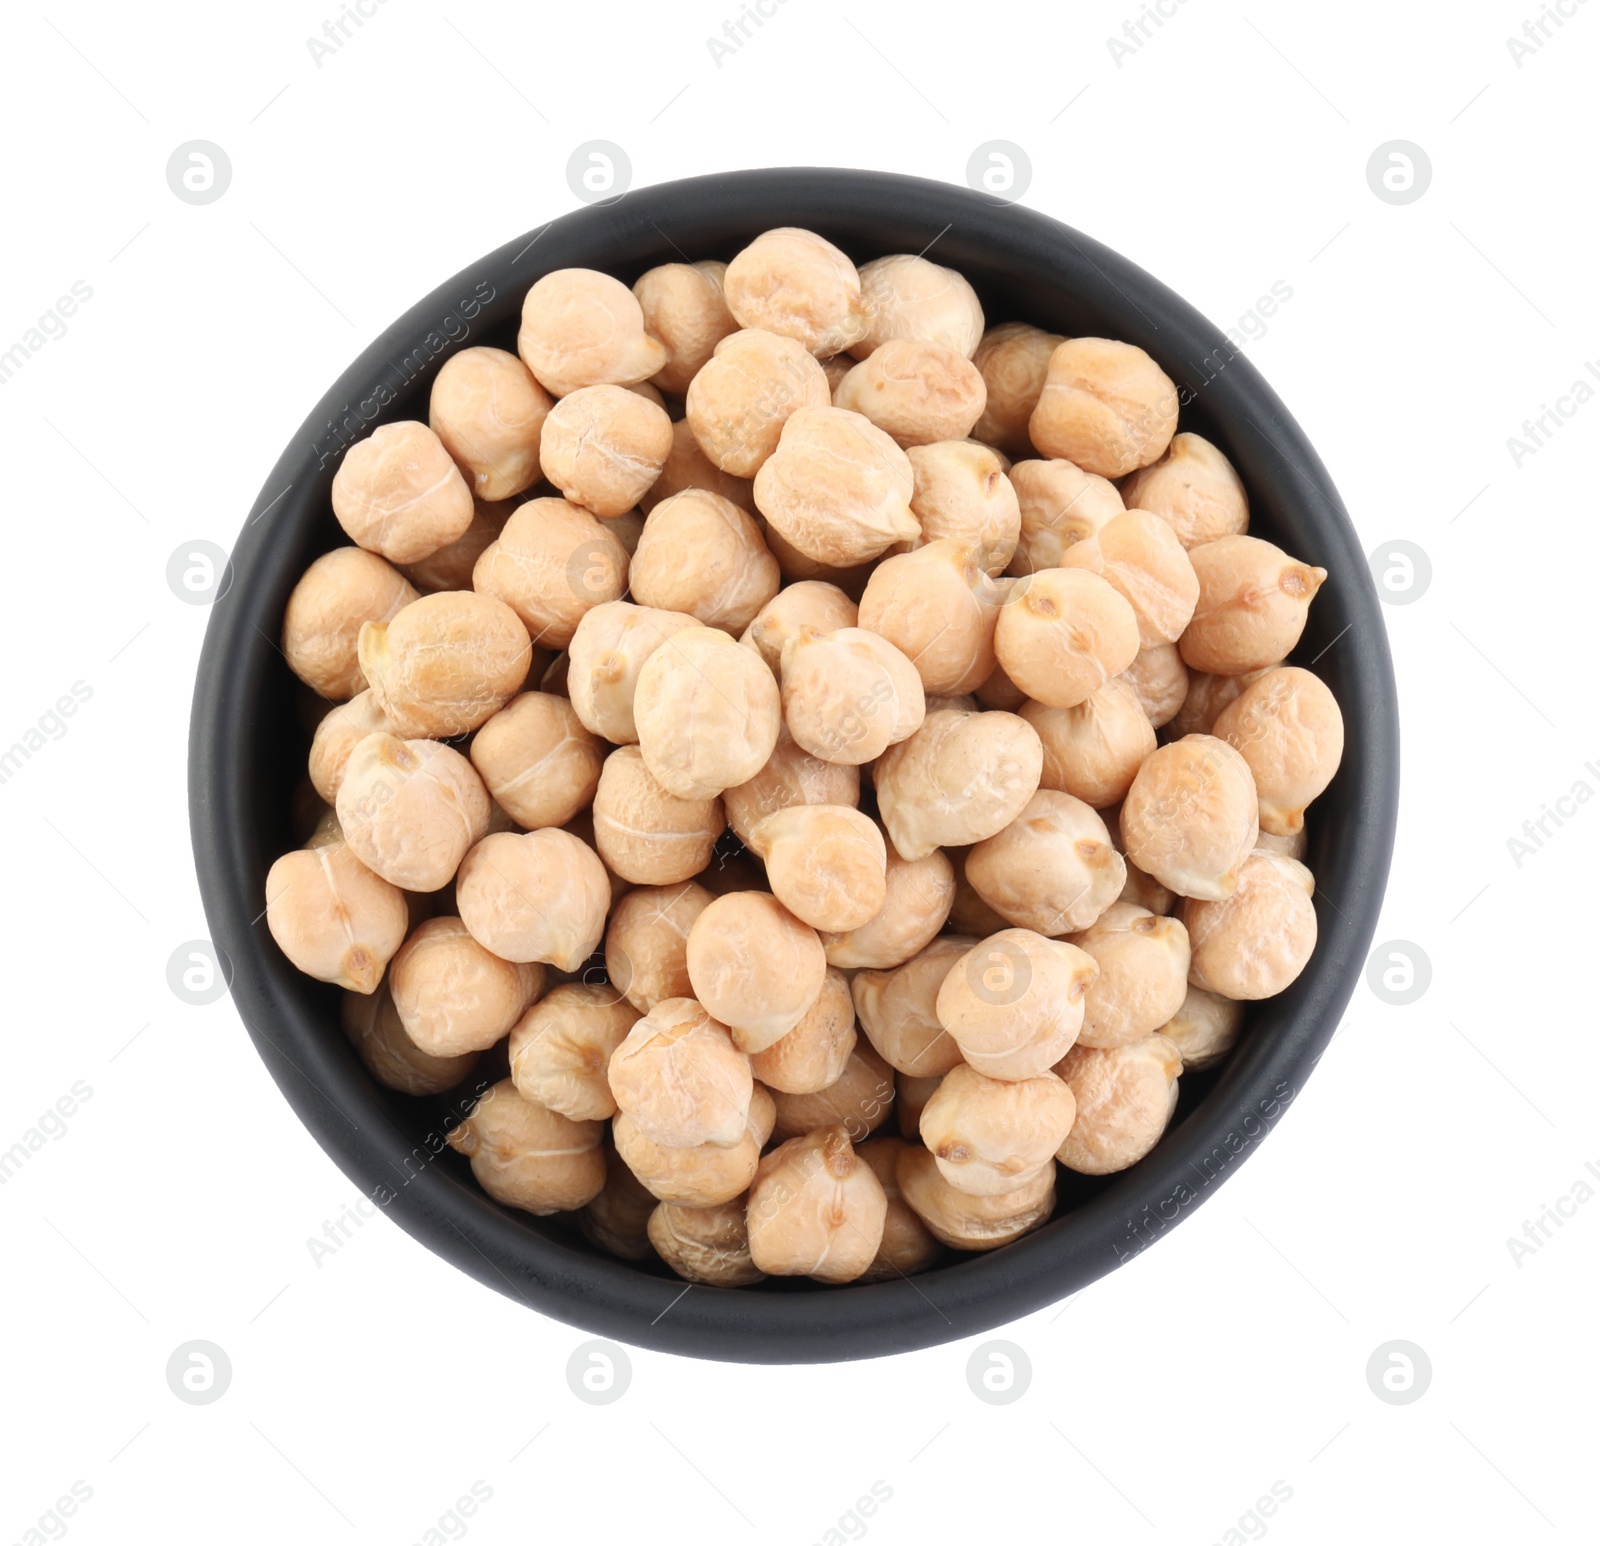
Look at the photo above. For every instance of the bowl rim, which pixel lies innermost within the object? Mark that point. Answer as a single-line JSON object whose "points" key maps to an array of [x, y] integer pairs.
{"points": [[344, 1108]]}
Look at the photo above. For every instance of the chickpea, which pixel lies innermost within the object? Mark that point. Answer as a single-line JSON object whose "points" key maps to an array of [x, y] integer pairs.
{"points": [[1257, 941], [1052, 870], [398, 494], [1204, 1028], [609, 648], [1190, 817], [960, 490], [1206, 698], [647, 942], [705, 1245], [910, 298], [1252, 606], [1058, 504], [794, 565], [1013, 1003], [707, 713], [1145, 563], [534, 896], [918, 900], [702, 555], [445, 663], [797, 284], [325, 611], [683, 306], [743, 396], [859, 1100], [373, 1027], [989, 1136], [687, 466], [583, 328], [341, 729], [1144, 969], [617, 1218], [1293, 847], [848, 695], [603, 446], [646, 834], [911, 1095], [1194, 488], [755, 966], [582, 827], [816, 1052], [1288, 728], [938, 606], [705, 1175], [810, 603], [487, 411], [895, 1009], [680, 1079], [528, 1157], [561, 1049], [410, 810], [917, 392], [451, 995], [1063, 634], [906, 1247], [826, 863], [791, 776], [537, 759], [968, 1223], [959, 779], [451, 567], [999, 692], [1014, 360], [1126, 1096], [1160, 681], [816, 1209], [1094, 749], [1105, 405]]}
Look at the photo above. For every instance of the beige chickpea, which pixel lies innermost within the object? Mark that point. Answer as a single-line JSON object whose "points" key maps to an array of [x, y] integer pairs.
{"points": [[561, 1049], [1257, 941], [1288, 728], [583, 328], [1058, 504], [1013, 1003], [603, 446], [534, 896], [1292, 847], [915, 392], [906, 1247], [909, 297], [825, 863], [816, 1209], [647, 942], [1142, 890], [1190, 818], [398, 494], [1160, 681], [1205, 1028], [687, 466], [646, 834], [755, 966], [1105, 405], [1052, 870], [702, 555], [1138, 554], [617, 1217], [706, 1174], [373, 1028], [537, 759], [705, 1245], [707, 713], [911, 1094], [965, 1222], [1252, 607], [1144, 970], [451, 567], [683, 307], [445, 663], [322, 620], [337, 735], [1093, 749], [742, 398], [960, 490], [938, 606], [896, 1010], [1206, 698], [487, 411], [810, 603], [797, 284], [790, 776], [794, 566], [1063, 634], [990, 1136], [1014, 360], [528, 1157], [680, 1079], [816, 1052], [1126, 1096], [1194, 488], [452, 995], [860, 1100], [848, 695], [609, 648], [919, 895]]}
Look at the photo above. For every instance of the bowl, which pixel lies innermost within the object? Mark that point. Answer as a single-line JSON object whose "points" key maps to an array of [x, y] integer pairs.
{"points": [[247, 753]]}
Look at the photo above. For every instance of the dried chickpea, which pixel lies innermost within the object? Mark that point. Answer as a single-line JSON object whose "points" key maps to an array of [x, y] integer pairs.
{"points": [[617, 1218], [825, 863], [1052, 870], [442, 665], [609, 648], [816, 1209], [322, 620], [647, 942], [790, 776], [815, 1053], [683, 307], [583, 328], [1014, 360], [797, 284], [1194, 489], [1190, 817], [990, 1136], [534, 896], [703, 555], [1206, 698], [451, 567], [687, 466], [938, 606], [1143, 560], [1094, 749], [452, 995], [810, 603], [705, 1175], [896, 1010], [646, 834], [1105, 405], [487, 411], [705, 1245], [1126, 1096], [755, 966], [373, 1027], [794, 565], [914, 391], [859, 1100], [919, 896], [1063, 634], [1256, 942], [1160, 681], [906, 1246], [528, 1157], [1058, 504], [909, 297], [1205, 1028], [1288, 728], [341, 729], [680, 1079], [968, 1223], [537, 759], [1293, 847], [1144, 970], [1252, 606], [848, 695], [960, 489], [397, 493], [910, 1096], [561, 1049], [603, 446], [741, 399]]}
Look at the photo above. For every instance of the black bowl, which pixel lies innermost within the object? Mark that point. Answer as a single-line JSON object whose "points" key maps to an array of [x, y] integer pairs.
{"points": [[247, 752]]}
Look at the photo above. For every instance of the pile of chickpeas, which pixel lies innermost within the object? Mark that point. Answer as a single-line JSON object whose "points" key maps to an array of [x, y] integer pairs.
{"points": [[839, 756]]}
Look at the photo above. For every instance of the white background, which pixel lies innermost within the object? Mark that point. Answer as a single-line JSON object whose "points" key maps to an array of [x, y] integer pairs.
{"points": [[368, 1393]]}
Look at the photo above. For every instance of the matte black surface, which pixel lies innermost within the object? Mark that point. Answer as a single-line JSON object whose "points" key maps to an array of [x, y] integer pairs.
{"points": [[247, 750]]}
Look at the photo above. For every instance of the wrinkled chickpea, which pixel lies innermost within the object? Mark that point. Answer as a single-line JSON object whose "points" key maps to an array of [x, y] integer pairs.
{"points": [[1160, 681], [909, 297], [799, 285], [742, 399], [687, 466], [680, 1079], [816, 1209], [825, 863], [755, 966], [1105, 405], [706, 1174], [603, 446], [705, 1245], [609, 648], [915, 392], [341, 729], [703, 555], [906, 1246], [534, 896], [794, 565], [646, 834], [1194, 488], [918, 897], [322, 620], [1288, 728], [561, 1048], [1190, 818], [1126, 1096], [1257, 941], [938, 606], [848, 695], [1206, 698], [816, 1052], [1144, 970], [617, 1218], [1063, 634], [528, 1157], [373, 1027], [1144, 562], [1052, 870], [683, 308], [808, 603], [537, 759], [859, 1100], [1093, 749], [398, 494], [332, 917], [488, 411], [647, 942], [895, 1010], [960, 490], [1014, 361], [1205, 1028], [1058, 504], [965, 1222], [790, 776], [990, 1136], [453, 996], [583, 328], [451, 567], [1252, 606]]}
